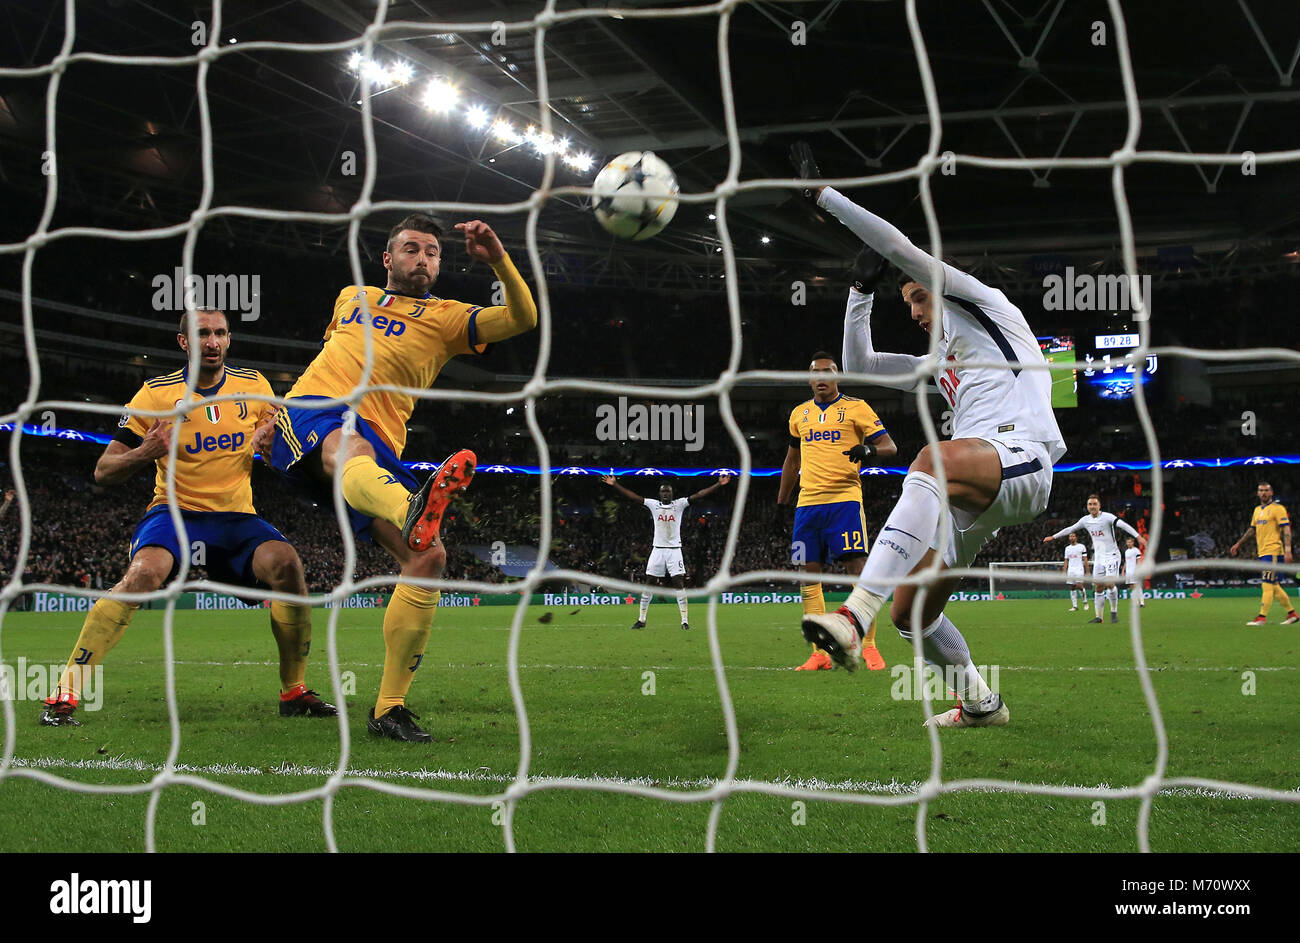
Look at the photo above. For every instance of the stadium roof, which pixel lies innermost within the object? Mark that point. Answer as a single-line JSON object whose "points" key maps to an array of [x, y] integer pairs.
{"points": [[1032, 78]]}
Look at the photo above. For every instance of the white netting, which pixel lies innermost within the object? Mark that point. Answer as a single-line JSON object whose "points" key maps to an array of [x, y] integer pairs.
{"points": [[539, 385], [1005, 575]]}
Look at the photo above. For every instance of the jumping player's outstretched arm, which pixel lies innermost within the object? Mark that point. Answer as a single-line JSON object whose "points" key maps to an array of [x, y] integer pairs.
{"points": [[703, 492], [519, 313], [889, 241], [625, 492], [896, 371]]}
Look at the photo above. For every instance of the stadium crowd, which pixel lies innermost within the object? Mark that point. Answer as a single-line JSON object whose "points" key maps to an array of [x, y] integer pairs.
{"points": [[80, 532]]}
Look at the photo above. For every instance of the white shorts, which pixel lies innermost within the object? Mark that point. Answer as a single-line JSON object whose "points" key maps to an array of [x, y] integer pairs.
{"points": [[1026, 486], [1106, 570], [1074, 576], [666, 561]]}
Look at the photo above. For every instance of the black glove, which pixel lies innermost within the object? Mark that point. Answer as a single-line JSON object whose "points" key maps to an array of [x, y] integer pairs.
{"points": [[868, 269], [805, 166], [861, 452]]}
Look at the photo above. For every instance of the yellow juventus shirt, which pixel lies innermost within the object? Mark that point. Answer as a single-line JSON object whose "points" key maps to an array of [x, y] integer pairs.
{"points": [[1268, 521], [215, 453], [413, 338], [823, 432]]}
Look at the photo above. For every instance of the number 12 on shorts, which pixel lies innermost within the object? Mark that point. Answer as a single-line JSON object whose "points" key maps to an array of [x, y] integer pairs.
{"points": [[856, 544]]}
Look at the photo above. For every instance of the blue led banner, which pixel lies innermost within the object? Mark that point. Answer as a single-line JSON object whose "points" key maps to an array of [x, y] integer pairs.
{"points": [[74, 435]]}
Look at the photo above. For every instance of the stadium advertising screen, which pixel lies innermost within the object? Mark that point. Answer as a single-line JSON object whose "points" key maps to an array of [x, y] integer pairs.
{"points": [[1112, 370], [1059, 348]]}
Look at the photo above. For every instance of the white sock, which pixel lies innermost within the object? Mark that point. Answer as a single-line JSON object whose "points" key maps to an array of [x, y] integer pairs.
{"points": [[1074, 599], [946, 649], [645, 606], [1137, 591], [1113, 595], [681, 604], [1097, 597], [899, 545]]}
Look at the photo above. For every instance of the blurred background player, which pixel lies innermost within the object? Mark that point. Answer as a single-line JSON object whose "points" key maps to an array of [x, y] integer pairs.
{"points": [[1271, 528], [998, 464], [1100, 526], [214, 493], [1076, 567], [1132, 557], [831, 435], [665, 561], [413, 333]]}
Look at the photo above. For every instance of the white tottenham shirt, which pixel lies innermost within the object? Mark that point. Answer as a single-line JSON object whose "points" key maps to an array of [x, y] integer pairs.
{"points": [[1102, 531], [980, 324], [1074, 557], [1131, 557], [668, 521]]}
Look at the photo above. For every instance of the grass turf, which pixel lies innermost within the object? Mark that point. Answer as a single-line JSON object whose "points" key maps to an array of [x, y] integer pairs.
{"points": [[1078, 718]]}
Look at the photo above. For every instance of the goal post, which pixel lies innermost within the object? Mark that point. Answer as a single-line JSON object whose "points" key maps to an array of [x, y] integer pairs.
{"points": [[1034, 579]]}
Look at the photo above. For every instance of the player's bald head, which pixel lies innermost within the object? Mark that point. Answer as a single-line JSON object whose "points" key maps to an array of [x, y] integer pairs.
{"points": [[202, 316]]}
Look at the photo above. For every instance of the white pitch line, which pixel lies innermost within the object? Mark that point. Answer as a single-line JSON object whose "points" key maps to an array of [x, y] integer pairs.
{"points": [[483, 775], [709, 668]]}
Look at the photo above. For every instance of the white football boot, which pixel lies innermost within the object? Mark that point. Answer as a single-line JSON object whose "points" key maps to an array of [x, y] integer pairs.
{"points": [[960, 717], [836, 633]]}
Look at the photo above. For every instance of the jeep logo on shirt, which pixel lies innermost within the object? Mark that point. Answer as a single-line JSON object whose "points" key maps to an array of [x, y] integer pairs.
{"points": [[232, 442], [390, 326], [831, 435]]}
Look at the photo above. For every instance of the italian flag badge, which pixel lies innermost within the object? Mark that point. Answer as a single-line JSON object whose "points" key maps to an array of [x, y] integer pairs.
{"points": [[213, 412]]}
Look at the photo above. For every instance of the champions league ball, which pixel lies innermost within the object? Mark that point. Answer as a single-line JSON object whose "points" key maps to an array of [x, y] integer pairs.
{"points": [[635, 195]]}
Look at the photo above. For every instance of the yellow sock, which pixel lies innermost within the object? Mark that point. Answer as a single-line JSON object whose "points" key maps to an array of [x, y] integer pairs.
{"points": [[104, 627], [407, 624], [291, 626], [373, 491], [1266, 603], [1281, 596], [814, 603], [869, 640]]}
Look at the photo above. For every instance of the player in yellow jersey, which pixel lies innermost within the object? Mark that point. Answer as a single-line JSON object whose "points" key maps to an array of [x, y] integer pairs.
{"points": [[413, 334], [1272, 531], [214, 495], [831, 435]]}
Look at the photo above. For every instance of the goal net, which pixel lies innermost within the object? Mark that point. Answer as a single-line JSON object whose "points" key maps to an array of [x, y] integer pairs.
{"points": [[1027, 580], [550, 17]]}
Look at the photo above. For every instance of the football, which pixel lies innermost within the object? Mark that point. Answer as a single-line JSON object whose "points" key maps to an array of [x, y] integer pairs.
{"points": [[635, 195]]}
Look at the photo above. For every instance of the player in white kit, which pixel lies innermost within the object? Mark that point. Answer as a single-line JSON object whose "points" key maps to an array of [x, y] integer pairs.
{"points": [[666, 561], [1100, 526], [1076, 566], [1133, 556], [998, 463]]}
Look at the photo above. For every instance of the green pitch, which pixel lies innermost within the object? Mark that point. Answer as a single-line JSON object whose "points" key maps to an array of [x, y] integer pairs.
{"points": [[1077, 718], [1063, 392]]}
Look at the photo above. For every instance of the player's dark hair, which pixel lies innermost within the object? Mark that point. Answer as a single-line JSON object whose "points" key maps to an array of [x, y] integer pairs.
{"points": [[1097, 496], [1263, 483], [419, 222], [185, 317], [823, 355]]}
